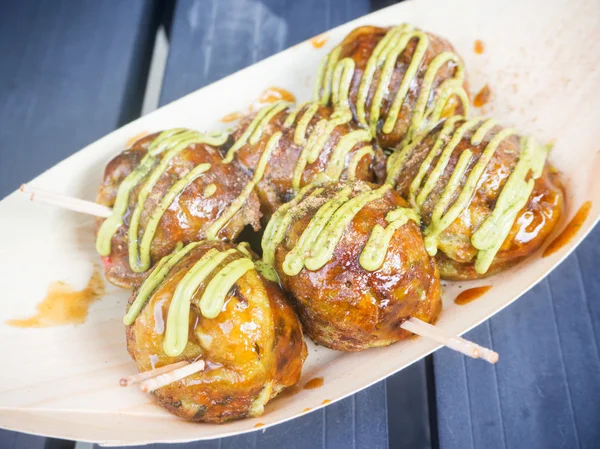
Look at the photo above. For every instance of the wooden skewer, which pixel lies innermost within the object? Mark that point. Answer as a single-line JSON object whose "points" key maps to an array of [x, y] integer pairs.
{"points": [[413, 325], [459, 344], [173, 376], [137, 378], [66, 202]]}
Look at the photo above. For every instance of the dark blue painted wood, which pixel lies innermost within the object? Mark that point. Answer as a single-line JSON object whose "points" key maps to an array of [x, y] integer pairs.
{"points": [[545, 390], [70, 72]]}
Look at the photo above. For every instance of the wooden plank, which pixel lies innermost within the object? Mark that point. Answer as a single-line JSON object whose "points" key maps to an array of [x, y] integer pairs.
{"points": [[70, 72], [544, 391]]}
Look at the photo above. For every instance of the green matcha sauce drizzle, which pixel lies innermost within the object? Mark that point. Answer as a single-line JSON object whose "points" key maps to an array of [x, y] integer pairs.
{"points": [[311, 147], [233, 263], [514, 195], [335, 76], [316, 245], [168, 144]]}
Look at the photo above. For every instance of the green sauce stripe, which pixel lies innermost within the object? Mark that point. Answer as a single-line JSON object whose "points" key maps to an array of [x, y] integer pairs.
{"points": [[276, 109], [390, 55], [154, 279], [337, 160], [342, 78], [514, 196], [442, 138], [213, 297], [322, 251], [324, 76], [236, 205], [177, 328], [294, 260], [373, 64], [356, 158], [157, 213], [280, 221], [301, 128], [442, 163], [439, 220], [140, 265], [244, 248], [258, 122], [373, 255], [419, 117], [316, 142], [267, 271]]}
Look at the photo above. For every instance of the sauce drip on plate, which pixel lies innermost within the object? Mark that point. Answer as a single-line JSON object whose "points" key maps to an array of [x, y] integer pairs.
{"points": [[274, 94], [232, 117], [317, 382], [482, 97], [478, 47], [471, 295], [319, 41], [569, 232], [64, 305]]}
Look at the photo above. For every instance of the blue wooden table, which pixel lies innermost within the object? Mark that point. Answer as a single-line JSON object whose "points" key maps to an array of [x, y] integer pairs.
{"points": [[71, 72]]}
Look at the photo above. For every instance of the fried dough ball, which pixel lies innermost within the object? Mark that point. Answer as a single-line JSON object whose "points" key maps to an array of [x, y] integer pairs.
{"points": [[353, 260], [253, 348], [194, 189], [285, 148], [486, 195], [397, 81]]}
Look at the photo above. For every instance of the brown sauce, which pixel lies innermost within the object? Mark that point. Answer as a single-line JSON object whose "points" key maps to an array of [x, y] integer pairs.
{"points": [[232, 117], [482, 97], [129, 143], [317, 382], [307, 409], [570, 230], [471, 295], [319, 41], [326, 401], [478, 47], [64, 305], [273, 94], [258, 424]]}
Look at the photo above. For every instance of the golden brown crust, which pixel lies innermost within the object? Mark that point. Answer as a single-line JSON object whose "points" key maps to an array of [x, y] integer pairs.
{"points": [[190, 214], [275, 188], [456, 255], [342, 305], [360, 44], [255, 342]]}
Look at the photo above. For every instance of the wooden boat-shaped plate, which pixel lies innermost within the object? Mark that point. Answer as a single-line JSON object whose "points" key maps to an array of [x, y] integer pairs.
{"points": [[541, 63]]}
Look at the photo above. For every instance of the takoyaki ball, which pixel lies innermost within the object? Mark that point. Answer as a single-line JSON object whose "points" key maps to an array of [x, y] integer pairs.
{"points": [[353, 260], [397, 81], [251, 341], [181, 193], [284, 149], [486, 194]]}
